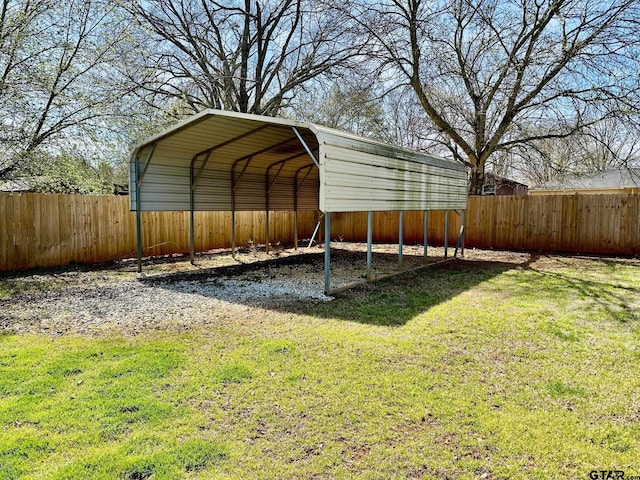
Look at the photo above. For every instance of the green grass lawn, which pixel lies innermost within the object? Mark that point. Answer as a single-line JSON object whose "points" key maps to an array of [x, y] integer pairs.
{"points": [[467, 370]]}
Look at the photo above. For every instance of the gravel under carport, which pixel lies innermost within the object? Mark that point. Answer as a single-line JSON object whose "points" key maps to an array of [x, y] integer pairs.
{"points": [[172, 294]]}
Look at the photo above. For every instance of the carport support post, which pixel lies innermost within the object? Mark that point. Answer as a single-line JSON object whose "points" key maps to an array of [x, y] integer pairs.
{"points": [[295, 215], [233, 211], [400, 236], [139, 176], [446, 233], [327, 252], [233, 233], [266, 242], [138, 215], [266, 202], [192, 243], [369, 242], [426, 232], [295, 211]]}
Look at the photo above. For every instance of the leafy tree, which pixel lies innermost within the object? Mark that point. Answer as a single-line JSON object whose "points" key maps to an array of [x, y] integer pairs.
{"points": [[60, 88], [65, 173]]}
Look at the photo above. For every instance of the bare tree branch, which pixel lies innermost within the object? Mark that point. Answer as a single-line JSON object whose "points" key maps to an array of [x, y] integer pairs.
{"points": [[240, 55], [57, 67], [491, 75]]}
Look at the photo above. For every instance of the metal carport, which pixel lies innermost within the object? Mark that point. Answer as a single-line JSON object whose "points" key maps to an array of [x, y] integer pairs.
{"points": [[228, 161]]}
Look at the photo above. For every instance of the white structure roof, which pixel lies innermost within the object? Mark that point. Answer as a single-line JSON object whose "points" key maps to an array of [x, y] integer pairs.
{"points": [[613, 179], [248, 162]]}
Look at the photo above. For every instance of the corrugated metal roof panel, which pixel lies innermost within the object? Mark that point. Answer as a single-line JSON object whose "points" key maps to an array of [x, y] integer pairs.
{"points": [[335, 138]]}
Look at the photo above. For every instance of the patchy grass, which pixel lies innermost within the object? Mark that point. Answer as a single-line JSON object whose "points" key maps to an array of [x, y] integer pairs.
{"points": [[470, 370], [8, 288]]}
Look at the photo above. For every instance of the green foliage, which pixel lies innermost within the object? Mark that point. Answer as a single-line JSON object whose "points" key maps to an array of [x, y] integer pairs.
{"points": [[68, 173], [235, 373], [469, 370]]}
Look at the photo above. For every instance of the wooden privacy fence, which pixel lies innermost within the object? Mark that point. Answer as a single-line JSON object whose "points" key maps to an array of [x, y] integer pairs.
{"points": [[38, 230], [600, 224], [47, 230]]}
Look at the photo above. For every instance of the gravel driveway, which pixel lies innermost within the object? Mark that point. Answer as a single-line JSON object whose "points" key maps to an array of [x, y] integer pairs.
{"points": [[173, 294]]}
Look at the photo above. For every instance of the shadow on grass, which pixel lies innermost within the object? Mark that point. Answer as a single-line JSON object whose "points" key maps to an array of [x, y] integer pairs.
{"points": [[390, 302], [395, 301], [611, 298]]}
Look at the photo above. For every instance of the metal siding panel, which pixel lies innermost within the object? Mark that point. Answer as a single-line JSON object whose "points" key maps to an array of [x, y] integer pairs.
{"points": [[168, 204], [359, 159], [353, 162], [335, 138], [250, 192], [397, 196], [281, 195], [213, 191], [386, 205], [413, 182], [165, 188], [308, 196], [360, 181]]}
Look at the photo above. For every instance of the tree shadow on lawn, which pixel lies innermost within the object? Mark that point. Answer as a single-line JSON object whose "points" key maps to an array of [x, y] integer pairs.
{"points": [[390, 302], [615, 299], [398, 300]]}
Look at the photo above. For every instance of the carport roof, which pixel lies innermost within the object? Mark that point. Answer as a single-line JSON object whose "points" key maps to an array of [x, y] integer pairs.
{"points": [[217, 118], [229, 160]]}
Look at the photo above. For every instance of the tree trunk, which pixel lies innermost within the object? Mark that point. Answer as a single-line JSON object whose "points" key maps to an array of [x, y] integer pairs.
{"points": [[477, 179]]}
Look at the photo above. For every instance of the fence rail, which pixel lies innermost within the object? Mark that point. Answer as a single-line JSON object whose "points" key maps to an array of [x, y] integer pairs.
{"points": [[48, 230]]}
